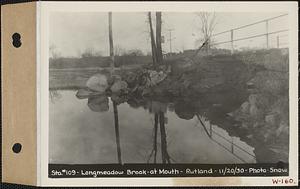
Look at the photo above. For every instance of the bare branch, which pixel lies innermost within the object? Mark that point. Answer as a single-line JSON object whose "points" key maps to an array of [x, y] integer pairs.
{"points": [[208, 23]]}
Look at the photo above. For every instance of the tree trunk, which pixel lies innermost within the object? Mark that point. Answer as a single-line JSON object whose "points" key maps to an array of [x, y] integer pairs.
{"points": [[158, 38], [153, 46], [198, 50], [111, 43]]}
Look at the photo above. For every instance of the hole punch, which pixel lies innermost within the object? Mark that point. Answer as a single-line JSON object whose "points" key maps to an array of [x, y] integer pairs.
{"points": [[17, 147], [16, 37]]}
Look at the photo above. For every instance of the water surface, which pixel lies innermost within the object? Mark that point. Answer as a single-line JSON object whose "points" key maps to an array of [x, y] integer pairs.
{"points": [[94, 131]]}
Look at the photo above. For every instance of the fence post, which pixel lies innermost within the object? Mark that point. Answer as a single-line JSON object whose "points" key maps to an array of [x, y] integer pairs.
{"points": [[231, 39], [267, 33], [278, 41]]}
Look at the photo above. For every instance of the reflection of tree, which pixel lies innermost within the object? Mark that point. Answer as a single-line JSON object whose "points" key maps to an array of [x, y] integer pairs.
{"points": [[155, 136], [54, 95], [159, 109], [116, 118], [164, 152], [212, 107]]}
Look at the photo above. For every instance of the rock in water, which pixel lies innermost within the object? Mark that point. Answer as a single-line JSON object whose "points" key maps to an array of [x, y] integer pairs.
{"points": [[86, 93], [184, 111], [97, 83], [119, 86], [98, 103], [83, 93]]}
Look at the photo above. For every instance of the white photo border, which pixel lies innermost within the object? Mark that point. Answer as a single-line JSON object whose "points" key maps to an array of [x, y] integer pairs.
{"points": [[45, 8]]}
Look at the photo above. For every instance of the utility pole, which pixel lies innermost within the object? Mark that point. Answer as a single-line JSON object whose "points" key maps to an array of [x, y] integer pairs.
{"points": [[170, 38], [267, 34], [231, 40], [112, 67], [111, 44]]}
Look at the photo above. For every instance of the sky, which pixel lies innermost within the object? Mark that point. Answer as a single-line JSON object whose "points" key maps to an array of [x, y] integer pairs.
{"points": [[73, 33]]}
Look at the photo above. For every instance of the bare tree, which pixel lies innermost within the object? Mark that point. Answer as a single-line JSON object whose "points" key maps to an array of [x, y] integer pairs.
{"points": [[88, 52], [156, 48], [119, 51], [158, 38], [54, 53], [134, 52], [208, 23], [153, 45]]}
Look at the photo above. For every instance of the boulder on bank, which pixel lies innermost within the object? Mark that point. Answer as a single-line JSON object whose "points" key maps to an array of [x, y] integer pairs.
{"points": [[119, 86], [130, 79], [156, 77], [97, 82]]}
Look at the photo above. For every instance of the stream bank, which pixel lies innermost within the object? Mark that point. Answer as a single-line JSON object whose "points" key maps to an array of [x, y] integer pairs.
{"points": [[245, 93]]}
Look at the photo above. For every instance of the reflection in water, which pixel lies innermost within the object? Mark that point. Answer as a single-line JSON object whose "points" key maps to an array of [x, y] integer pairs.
{"points": [[159, 109], [164, 152], [159, 118], [54, 95], [232, 144], [155, 138], [117, 132], [184, 111], [98, 103], [83, 130]]}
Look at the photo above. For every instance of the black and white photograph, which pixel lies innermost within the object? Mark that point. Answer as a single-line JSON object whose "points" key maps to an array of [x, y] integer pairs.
{"points": [[169, 88], [150, 93]]}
